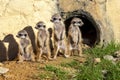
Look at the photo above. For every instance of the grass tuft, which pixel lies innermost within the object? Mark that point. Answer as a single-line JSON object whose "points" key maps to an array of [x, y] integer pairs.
{"points": [[87, 70], [100, 52]]}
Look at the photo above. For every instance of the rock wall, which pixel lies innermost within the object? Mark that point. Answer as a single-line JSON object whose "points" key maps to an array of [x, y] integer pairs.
{"points": [[16, 14], [105, 13], [113, 13], [24, 14]]}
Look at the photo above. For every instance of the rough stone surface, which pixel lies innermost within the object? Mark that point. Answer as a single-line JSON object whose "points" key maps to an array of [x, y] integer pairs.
{"points": [[109, 57], [19, 14], [16, 14], [104, 12]]}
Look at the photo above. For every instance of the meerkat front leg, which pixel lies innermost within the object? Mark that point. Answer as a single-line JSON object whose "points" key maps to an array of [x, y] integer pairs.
{"points": [[21, 58], [20, 55], [40, 56], [66, 54], [30, 53], [55, 52], [80, 51], [49, 54]]}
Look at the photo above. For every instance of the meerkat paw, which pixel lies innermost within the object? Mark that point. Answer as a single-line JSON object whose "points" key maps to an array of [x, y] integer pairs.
{"points": [[51, 59], [33, 60], [20, 61], [66, 56]]}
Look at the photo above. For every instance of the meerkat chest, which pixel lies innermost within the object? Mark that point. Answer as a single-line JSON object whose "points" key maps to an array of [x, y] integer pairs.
{"points": [[73, 31], [24, 43], [43, 34], [61, 44], [44, 50], [58, 28], [73, 34], [58, 31]]}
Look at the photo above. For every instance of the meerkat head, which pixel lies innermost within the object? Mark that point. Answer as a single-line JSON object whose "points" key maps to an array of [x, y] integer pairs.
{"points": [[56, 18], [77, 22], [40, 25], [22, 34]]}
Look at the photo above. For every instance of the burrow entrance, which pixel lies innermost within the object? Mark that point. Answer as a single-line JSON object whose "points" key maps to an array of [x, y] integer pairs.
{"points": [[90, 31]]}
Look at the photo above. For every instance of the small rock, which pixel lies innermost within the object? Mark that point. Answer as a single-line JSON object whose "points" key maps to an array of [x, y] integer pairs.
{"points": [[117, 54], [109, 57], [104, 71], [3, 70], [97, 60]]}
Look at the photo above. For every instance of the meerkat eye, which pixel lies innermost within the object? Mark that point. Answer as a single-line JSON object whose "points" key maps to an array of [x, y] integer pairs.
{"points": [[79, 22], [60, 19], [44, 26], [39, 25], [25, 35], [73, 22], [20, 34], [54, 18]]}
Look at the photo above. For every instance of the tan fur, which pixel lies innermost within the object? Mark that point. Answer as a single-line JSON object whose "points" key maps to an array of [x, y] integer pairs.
{"points": [[74, 36], [59, 36], [43, 41], [25, 47]]}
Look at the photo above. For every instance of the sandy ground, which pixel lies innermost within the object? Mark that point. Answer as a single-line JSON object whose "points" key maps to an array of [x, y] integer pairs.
{"points": [[28, 70]]}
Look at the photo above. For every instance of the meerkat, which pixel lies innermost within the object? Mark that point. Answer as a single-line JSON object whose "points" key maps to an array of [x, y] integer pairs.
{"points": [[43, 41], [25, 47], [74, 36], [59, 36]]}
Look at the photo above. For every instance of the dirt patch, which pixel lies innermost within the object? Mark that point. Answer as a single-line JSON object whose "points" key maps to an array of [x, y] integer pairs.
{"points": [[29, 70]]}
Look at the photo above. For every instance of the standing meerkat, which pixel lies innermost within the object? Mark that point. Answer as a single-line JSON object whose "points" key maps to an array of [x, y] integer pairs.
{"points": [[74, 36], [59, 36], [25, 47], [43, 41]]}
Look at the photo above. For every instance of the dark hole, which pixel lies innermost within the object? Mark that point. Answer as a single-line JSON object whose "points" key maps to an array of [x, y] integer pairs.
{"points": [[88, 30]]}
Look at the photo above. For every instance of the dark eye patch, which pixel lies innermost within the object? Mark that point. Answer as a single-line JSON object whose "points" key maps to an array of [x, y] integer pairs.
{"points": [[39, 25], [79, 22], [25, 35], [59, 19], [44, 26], [22, 34], [74, 22], [54, 18]]}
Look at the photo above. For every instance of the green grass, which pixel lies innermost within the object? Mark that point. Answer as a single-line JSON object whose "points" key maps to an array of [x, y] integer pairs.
{"points": [[88, 70], [72, 64], [100, 52], [54, 73], [94, 72]]}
